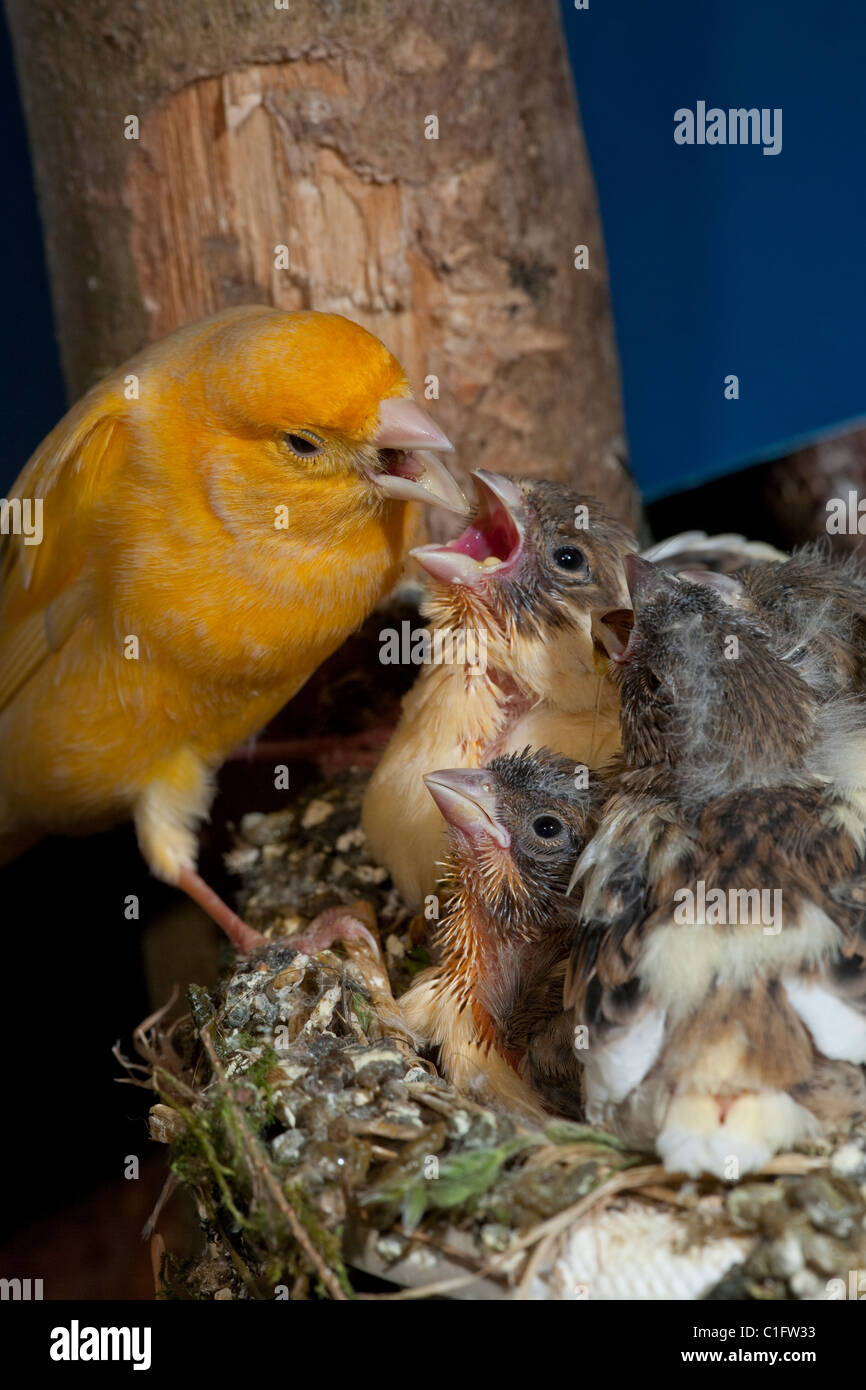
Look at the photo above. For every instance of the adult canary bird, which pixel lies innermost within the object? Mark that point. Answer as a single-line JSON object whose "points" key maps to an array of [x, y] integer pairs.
{"points": [[216, 516]]}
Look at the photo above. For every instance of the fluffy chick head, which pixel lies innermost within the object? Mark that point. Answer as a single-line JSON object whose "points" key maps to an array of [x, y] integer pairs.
{"points": [[814, 605], [705, 689], [817, 604], [533, 566], [516, 829]]}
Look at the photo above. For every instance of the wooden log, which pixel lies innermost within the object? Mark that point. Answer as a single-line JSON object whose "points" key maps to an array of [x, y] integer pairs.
{"points": [[417, 165]]}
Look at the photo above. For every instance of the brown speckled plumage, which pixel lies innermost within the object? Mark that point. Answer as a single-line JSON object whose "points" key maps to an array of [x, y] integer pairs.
{"points": [[817, 602], [718, 1041]]}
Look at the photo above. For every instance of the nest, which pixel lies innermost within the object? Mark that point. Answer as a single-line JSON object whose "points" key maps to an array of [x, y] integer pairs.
{"points": [[327, 1159]]}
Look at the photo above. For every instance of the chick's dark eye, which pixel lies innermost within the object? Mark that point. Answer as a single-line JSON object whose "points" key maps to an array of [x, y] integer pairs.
{"points": [[570, 557], [303, 446], [547, 827]]}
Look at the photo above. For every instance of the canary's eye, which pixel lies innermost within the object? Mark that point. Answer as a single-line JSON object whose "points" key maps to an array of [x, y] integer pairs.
{"points": [[571, 558], [547, 827], [305, 446]]}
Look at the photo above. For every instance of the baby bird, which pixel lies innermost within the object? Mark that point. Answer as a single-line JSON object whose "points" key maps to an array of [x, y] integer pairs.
{"points": [[219, 513], [719, 966], [493, 1005], [817, 603], [523, 581]]}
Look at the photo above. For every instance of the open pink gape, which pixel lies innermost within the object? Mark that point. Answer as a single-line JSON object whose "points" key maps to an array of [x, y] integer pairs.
{"points": [[492, 544]]}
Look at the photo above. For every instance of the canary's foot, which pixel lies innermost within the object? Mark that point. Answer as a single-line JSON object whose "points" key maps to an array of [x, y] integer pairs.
{"points": [[334, 924], [333, 752], [242, 937]]}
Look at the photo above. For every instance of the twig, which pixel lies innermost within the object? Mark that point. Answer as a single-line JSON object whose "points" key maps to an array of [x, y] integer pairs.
{"points": [[168, 1188], [448, 1252], [533, 1264], [784, 1165], [142, 1046], [157, 1255]]}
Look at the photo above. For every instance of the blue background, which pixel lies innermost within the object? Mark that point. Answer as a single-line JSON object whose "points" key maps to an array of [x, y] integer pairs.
{"points": [[31, 394], [723, 259]]}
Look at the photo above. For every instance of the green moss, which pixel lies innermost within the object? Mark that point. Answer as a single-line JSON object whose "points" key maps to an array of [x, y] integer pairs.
{"points": [[361, 1008], [452, 1183]]}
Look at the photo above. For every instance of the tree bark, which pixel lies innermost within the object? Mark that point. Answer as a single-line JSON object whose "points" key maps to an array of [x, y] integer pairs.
{"points": [[307, 128]]}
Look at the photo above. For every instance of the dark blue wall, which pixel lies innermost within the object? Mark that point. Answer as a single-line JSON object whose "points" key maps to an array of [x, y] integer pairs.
{"points": [[723, 259], [32, 391]]}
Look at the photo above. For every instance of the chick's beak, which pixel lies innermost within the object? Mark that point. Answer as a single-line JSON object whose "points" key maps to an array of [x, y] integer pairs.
{"points": [[611, 626], [644, 580], [618, 631], [493, 542], [467, 799], [409, 471], [611, 631]]}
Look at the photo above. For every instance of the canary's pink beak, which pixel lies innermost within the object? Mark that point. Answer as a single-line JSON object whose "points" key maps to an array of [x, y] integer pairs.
{"points": [[467, 799], [492, 545], [409, 469]]}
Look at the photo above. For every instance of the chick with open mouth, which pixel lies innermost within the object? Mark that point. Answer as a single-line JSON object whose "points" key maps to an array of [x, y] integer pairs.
{"points": [[528, 579]]}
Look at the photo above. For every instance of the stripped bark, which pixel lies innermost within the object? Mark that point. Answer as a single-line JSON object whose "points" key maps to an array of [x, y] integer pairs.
{"points": [[307, 128]]}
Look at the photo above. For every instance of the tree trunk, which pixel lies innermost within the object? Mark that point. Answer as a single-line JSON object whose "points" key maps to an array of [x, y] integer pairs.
{"points": [[308, 128]]}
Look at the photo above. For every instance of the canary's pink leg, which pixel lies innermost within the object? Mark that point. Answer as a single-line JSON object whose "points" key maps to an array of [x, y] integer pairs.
{"points": [[242, 937], [334, 752], [334, 924]]}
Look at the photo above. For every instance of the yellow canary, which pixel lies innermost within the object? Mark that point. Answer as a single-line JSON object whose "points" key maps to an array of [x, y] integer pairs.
{"points": [[184, 549]]}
